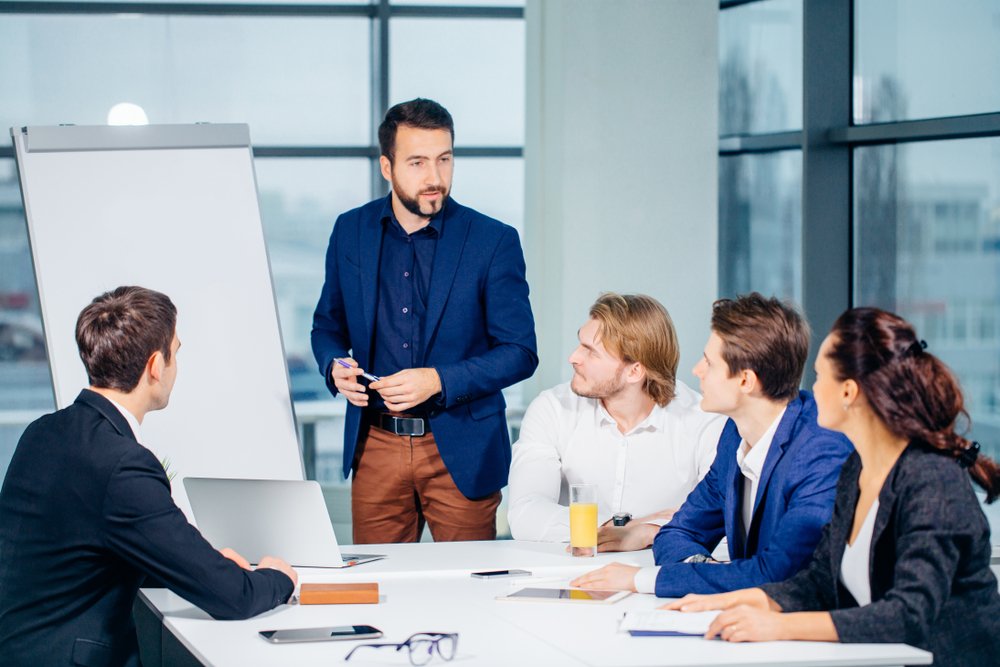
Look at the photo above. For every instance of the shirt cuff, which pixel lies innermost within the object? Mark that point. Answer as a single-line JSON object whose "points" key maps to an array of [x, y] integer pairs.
{"points": [[645, 579]]}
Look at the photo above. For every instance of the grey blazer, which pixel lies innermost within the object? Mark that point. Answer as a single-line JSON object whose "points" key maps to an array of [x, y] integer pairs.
{"points": [[930, 564]]}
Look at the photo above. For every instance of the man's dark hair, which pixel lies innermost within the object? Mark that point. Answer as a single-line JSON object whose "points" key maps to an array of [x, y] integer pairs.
{"points": [[119, 331], [420, 113], [766, 336]]}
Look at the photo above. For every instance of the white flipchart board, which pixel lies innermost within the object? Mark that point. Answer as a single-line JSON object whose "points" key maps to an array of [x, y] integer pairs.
{"points": [[172, 208]]}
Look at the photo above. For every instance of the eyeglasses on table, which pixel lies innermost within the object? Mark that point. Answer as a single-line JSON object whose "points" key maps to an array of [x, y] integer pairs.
{"points": [[421, 646]]}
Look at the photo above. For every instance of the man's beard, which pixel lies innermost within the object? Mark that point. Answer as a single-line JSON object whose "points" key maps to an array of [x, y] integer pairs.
{"points": [[412, 204], [605, 389]]}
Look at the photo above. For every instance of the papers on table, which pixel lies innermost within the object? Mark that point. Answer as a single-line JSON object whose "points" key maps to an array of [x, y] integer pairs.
{"points": [[661, 622]]}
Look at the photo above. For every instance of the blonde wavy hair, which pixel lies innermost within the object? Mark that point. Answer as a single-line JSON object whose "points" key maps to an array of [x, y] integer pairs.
{"points": [[637, 328]]}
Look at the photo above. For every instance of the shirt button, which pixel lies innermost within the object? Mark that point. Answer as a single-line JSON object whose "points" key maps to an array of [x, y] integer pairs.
{"points": [[406, 346], [406, 274], [406, 310]]}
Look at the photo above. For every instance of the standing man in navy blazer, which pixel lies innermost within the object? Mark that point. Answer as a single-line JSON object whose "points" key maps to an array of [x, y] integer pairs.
{"points": [[429, 296], [86, 513], [771, 488]]}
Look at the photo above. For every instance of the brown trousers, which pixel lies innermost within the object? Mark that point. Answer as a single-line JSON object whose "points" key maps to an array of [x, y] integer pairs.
{"points": [[401, 483]]}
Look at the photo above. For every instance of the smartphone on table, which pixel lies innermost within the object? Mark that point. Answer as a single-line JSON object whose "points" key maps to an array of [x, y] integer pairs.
{"points": [[497, 574]]}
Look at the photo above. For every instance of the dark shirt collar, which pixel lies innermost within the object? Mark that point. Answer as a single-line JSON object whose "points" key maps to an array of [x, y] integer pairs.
{"points": [[436, 224]]}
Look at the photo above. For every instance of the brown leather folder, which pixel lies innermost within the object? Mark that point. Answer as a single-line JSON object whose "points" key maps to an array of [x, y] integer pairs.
{"points": [[338, 594]]}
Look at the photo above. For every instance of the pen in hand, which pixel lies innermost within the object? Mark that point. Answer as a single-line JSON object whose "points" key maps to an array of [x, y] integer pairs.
{"points": [[367, 376]]}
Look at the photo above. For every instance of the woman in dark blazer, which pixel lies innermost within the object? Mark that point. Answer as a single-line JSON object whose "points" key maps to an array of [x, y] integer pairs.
{"points": [[906, 556]]}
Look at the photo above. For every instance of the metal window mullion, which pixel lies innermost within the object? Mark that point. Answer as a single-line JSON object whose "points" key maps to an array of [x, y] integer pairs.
{"points": [[259, 9], [929, 129], [457, 12], [380, 90], [188, 9], [826, 166], [760, 143]]}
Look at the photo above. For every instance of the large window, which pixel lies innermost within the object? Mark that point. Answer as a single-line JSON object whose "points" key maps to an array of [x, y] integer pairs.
{"points": [[760, 95], [312, 79], [899, 171]]}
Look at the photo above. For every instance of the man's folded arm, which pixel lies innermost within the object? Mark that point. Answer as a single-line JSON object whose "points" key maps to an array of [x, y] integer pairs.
{"points": [[145, 528], [810, 506]]}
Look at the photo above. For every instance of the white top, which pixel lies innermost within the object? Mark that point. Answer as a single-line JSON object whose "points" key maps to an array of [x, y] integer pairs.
{"points": [[567, 439], [130, 418], [751, 459], [751, 463], [854, 567]]}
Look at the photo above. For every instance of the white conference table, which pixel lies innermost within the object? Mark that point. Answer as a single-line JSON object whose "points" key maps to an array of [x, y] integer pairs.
{"points": [[427, 588]]}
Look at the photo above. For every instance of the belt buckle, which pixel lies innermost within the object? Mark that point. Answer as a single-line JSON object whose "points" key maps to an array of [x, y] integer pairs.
{"points": [[413, 426]]}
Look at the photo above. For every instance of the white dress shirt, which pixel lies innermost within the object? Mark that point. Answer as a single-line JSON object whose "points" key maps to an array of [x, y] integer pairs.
{"points": [[566, 439], [751, 463], [854, 566], [130, 418]]}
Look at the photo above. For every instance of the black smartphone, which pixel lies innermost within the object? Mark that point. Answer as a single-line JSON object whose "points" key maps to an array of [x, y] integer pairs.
{"points": [[338, 633], [496, 574]]}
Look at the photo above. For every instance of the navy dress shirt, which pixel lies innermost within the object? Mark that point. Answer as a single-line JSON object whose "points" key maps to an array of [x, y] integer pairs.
{"points": [[404, 277]]}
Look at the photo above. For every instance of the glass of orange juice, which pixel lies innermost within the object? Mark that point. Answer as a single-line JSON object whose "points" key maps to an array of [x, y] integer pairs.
{"points": [[583, 519]]}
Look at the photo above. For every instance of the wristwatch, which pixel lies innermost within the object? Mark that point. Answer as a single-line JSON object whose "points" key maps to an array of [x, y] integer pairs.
{"points": [[621, 518], [699, 558]]}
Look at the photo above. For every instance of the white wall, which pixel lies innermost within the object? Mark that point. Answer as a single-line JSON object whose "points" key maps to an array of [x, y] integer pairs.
{"points": [[620, 165]]}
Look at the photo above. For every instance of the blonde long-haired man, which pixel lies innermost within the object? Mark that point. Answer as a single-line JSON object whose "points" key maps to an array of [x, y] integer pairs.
{"points": [[623, 423]]}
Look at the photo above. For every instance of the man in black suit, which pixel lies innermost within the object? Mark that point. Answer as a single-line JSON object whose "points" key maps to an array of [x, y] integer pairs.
{"points": [[86, 513]]}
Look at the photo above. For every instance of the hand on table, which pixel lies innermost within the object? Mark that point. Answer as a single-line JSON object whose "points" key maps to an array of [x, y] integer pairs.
{"points": [[744, 623], [631, 537], [407, 388], [635, 535], [272, 563], [754, 598], [749, 615], [345, 379], [615, 577]]}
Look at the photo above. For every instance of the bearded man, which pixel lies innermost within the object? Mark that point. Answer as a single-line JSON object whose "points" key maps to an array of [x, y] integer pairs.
{"points": [[624, 424], [424, 318]]}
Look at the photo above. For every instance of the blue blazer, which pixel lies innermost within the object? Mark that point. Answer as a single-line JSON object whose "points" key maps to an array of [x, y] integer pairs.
{"points": [[794, 501], [479, 332], [85, 516]]}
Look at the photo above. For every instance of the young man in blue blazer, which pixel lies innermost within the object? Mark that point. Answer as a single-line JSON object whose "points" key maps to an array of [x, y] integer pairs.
{"points": [[86, 513], [423, 320], [771, 488]]}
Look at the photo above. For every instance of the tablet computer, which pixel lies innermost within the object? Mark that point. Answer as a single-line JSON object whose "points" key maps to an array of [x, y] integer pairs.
{"points": [[565, 595]]}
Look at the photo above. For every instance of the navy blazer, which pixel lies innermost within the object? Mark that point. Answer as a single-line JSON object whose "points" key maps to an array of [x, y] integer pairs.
{"points": [[85, 515], [929, 566], [479, 332], [794, 500]]}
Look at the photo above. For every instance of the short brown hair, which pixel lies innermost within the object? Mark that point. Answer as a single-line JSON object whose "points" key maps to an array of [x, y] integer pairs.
{"points": [[766, 336], [637, 328], [119, 331], [420, 113]]}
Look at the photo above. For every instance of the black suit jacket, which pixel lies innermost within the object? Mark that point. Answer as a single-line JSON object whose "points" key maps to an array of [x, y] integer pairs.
{"points": [[930, 564], [85, 515]]}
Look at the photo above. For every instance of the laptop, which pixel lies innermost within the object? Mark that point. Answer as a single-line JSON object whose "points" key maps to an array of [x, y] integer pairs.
{"points": [[269, 517]]}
